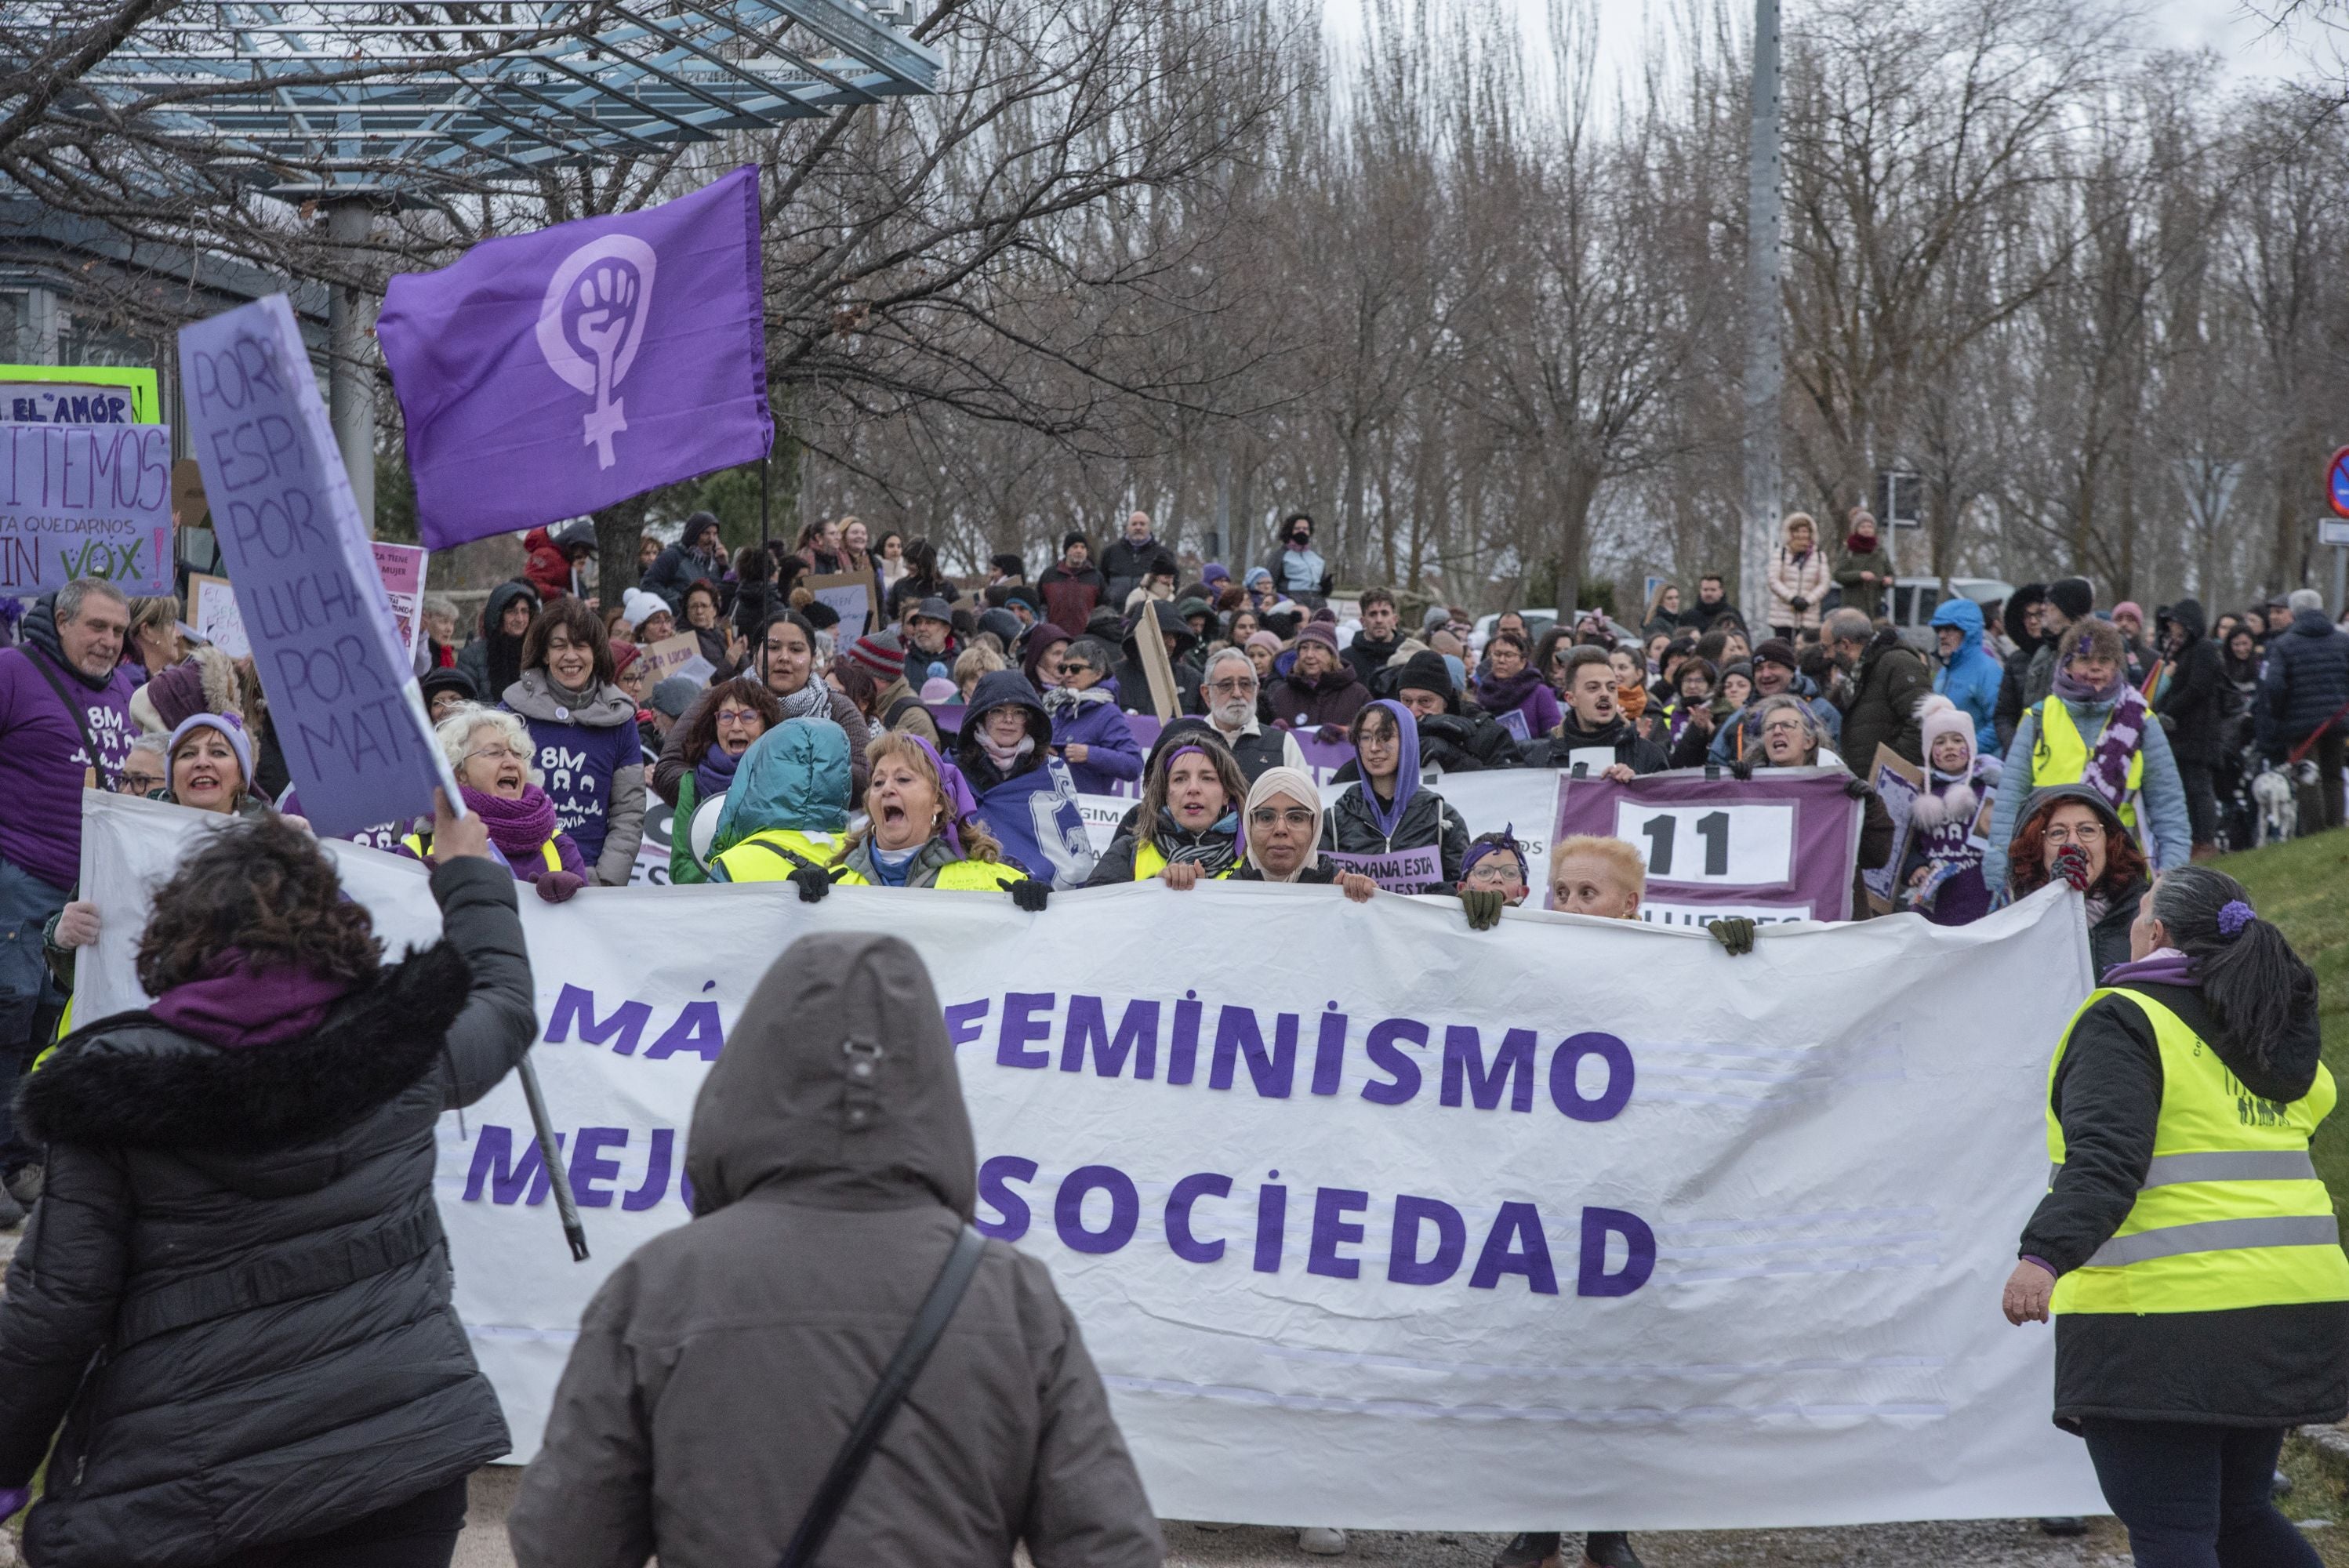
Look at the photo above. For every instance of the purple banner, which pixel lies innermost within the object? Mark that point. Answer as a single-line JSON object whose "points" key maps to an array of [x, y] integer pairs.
{"points": [[547, 375], [1779, 847], [342, 697]]}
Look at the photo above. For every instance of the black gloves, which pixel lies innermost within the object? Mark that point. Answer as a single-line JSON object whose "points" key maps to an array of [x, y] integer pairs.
{"points": [[812, 881], [1030, 895], [1742, 770], [1734, 932], [1858, 788], [1799, 604], [1483, 906]]}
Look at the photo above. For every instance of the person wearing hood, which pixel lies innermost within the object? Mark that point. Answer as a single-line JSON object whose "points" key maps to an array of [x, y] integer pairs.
{"points": [[1510, 684], [1188, 823], [1593, 730], [1453, 737], [1283, 816], [2304, 693], [554, 554], [717, 1372], [1969, 674], [1941, 877], [1134, 557], [2094, 729], [2195, 706], [490, 752], [232, 1312], [2026, 609], [1132, 676], [2184, 1247], [584, 729], [1026, 798], [1884, 684], [65, 726], [786, 817], [716, 730], [922, 830], [698, 555], [492, 660], [1389, 809], [1863, 567], [1090, 734], [1798, 579], [1320, 689], [206, 681]]}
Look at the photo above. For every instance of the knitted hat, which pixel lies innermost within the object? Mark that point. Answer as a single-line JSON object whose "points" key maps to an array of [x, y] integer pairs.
{"points": [[231, 728], [1426, 671], [624, 654], [2129, 607], [881, 654], [1941, 717], [1777, 651], [450, 679], [674, 695], [1266, 641], [2072, 595], [636, 606], [1074, 536], [939, 689], [1215, 572], [1318, 632]]}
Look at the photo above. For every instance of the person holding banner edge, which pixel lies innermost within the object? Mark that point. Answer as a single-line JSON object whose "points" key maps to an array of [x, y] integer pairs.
{"points": [[1389, 810], [2186, 1249], [281, 1088]]}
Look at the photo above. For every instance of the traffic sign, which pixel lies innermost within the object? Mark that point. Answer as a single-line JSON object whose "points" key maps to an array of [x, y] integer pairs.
{"points": [[2336, 481], [2332, 531]]}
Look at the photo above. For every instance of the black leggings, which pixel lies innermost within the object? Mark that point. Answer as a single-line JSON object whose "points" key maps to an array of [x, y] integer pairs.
{"points": [[418, 1533], [2196, 1496]]}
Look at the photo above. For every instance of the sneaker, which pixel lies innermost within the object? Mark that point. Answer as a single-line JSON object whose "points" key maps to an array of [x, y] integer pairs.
{"points": [[25, 1185], [1321, 1541], [1609, 1549], [2063, 1524], [1530, 1550]]}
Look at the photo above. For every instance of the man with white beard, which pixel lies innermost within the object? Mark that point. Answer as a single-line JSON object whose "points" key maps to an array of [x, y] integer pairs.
{"points": [[1230, 687]]}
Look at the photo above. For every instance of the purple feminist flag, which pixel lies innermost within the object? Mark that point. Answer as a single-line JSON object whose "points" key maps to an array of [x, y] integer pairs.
{"points": [[1780, 846], [343, 699], [547, 375]]}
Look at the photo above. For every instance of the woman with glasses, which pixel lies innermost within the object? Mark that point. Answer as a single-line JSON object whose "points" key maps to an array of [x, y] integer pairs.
{"points": [[1389, 810], [2071, 831], [710, 741], [490, 752], [1089, 733], [1792, 737], [1283, 821]]}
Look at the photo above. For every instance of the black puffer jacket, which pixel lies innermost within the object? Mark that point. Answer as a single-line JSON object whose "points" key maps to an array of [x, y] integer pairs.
{"points": [[235, 1291], [1429, 818], [2307, 679], [2252, 1367], [2194, 704], [1618, 735]]}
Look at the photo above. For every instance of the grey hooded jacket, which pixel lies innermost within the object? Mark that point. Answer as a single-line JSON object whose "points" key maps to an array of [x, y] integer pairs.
{"points": [[717, 1370]]}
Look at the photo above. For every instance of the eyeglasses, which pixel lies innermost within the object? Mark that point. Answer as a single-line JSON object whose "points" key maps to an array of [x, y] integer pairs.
{"points": [[1783, 727], [738, 716], [1075, 667], [499, 753], [1296, 817], [2086, 833], [1233, 686], [138, 783]]}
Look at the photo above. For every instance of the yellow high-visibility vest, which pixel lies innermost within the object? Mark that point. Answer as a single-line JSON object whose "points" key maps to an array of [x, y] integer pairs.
{"points": [[955, 876], [2061, 755], [1148, 862], [2232, 1213], [775, 854], [416, 846]]}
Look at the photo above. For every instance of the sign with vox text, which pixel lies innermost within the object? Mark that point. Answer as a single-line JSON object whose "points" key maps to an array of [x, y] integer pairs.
{"points": [[85, 501]]}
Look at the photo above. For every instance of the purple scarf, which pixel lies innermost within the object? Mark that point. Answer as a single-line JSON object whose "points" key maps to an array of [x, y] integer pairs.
{"points": [[517, 828], [714, 774], [1494, 695], [2108, 759], [1389, 817], [960, 802], [2162, 966], [242, 1001]]}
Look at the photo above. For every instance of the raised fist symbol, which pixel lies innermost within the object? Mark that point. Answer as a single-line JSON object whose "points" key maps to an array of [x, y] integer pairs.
{"points": [[607, 298]]}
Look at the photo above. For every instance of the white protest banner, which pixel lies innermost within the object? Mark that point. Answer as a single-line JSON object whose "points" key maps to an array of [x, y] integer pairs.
{"points": [[1369, 1219], [1405, 870], [850, 596], [212, 611], [343, 699], [85, 501]]}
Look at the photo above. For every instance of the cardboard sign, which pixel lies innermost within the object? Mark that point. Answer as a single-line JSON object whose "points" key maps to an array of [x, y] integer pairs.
{"points": [[212, 611], [850, 596], [400, 568], [1165, 700], [341, 692], [85, 501], [1898, 783], [188, 509], [79, 395], [678, 655]]}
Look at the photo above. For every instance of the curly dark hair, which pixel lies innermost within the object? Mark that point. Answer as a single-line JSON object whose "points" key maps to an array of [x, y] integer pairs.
{"points": [[2124, 864], [585, 626], [264, 886], [701, 722]]}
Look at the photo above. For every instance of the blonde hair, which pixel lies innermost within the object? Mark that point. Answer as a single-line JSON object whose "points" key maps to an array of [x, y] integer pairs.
{"points": [[455, 734], [1622, 858], [896, 746], [980, 659]]}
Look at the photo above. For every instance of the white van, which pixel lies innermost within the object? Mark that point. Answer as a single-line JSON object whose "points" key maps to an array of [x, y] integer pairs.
{"points": [[1914, 599]]}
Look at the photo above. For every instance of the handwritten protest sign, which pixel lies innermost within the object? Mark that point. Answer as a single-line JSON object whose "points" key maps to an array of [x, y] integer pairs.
{"points": [[401, 569], [850, 595], [341, 695], [79, 395], [678, 655], [1397, 871], [85, 501], [1898, 783], [212, 611]]}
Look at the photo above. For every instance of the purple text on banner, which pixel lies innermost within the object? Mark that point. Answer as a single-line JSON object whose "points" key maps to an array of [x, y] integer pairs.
{"points": [[1397, 871], [342, 698], [85, 501], [546, 374], [1781, 846]]}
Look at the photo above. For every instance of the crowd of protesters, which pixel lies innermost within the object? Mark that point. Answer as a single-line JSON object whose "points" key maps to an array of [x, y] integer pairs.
{"points": [[941, 743]]}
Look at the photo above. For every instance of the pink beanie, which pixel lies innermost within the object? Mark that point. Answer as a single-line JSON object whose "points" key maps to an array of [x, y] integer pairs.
{"points": [[2129, 607], [1941, 717]]}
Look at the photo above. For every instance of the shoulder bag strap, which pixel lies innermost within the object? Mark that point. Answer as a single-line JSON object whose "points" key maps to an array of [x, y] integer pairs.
{"points": [[94, 774], [896, 1378]]}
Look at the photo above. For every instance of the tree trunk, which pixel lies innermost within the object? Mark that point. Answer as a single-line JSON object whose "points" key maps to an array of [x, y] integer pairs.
{"points": [[617, 530]]}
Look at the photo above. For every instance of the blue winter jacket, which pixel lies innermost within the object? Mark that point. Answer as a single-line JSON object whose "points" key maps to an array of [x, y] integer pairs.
{"points": [[1970, 676]]}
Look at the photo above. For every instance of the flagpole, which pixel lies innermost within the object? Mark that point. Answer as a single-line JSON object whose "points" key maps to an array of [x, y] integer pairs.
{"points": [[762, 495]]}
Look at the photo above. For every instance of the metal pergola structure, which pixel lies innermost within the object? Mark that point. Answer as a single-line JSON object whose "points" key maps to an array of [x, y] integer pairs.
{"points": [[358, 104]]}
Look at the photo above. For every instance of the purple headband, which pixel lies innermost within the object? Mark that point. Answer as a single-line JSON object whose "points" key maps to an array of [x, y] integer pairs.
{"points": [[1481, 848], [960, 801]]}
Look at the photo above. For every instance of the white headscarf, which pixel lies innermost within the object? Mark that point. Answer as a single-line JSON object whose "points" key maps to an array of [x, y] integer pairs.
{"points": [[1298, 787]]}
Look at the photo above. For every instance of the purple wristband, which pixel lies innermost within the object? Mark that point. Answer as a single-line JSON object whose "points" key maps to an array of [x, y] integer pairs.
{"points": [[13, 1500], [2042, 1262]]}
